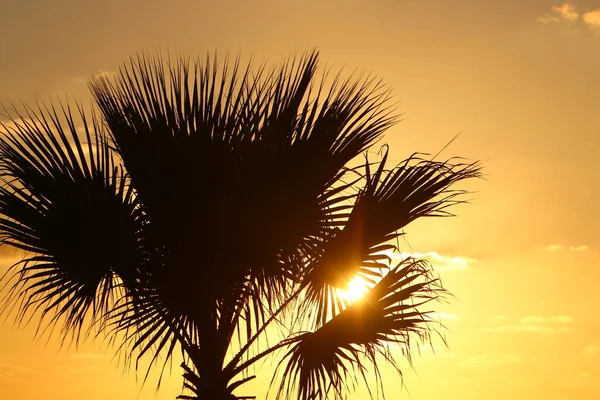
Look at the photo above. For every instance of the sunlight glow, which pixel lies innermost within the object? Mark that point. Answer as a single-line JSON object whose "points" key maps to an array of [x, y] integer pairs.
{"points": [[356, 289]]}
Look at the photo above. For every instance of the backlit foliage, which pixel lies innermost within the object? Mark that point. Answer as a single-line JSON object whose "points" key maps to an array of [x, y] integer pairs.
{"points": [[208, 201]]}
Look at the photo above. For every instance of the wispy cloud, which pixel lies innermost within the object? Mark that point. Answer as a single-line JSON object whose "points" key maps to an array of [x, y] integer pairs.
{"points": [[534, 319], [442, 262], [537, 324], [548, 19], [592, 350], [578, 248], [8, 124], [12, 373], [492, 359], [63, 369], [560, 247], [566, 11], [563, 12], [13, 123], [17, 124], [592, 18], [101, 73]]}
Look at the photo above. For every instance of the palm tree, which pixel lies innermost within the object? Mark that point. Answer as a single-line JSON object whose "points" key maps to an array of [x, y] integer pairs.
{"points": [[205, 209]]}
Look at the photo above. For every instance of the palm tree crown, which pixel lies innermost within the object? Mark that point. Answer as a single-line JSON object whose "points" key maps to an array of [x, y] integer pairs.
{"points": [[208, 204]]}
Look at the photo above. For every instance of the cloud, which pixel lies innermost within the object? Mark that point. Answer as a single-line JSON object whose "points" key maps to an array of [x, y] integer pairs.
{"points": [[592, 18], [555, 247], [492, 359], [443, 262], [534, 319], [99, 74], [592, 350], [560, 247], [566, 11], [548, 19], [12, 373], [17, 124], [537, 324], [13, 124], [578, 248], [103, 74]]}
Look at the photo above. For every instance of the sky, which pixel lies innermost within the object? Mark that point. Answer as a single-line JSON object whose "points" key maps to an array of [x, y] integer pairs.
{"points": [[519, 80]]}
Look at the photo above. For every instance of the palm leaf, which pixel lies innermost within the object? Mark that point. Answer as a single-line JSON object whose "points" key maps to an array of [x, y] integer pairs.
{"points": [[389, 200], [216, 199], [259, 145], [325, 363], [68, 204]]}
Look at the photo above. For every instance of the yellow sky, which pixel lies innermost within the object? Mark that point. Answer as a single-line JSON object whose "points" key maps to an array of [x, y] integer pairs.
{"points": [[520, 80]]}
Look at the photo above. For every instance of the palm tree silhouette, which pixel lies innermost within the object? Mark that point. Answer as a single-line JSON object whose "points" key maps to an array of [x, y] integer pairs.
{"points": [[209, 207]]}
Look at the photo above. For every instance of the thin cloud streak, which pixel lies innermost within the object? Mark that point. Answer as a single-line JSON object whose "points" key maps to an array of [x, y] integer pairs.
{"points": [[99, 74], [440, 262], [592, 350], [548, 20], [560, 247]]}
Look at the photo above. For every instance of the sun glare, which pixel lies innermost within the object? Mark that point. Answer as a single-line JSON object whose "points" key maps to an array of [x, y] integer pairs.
{"points": [[356, 289]]}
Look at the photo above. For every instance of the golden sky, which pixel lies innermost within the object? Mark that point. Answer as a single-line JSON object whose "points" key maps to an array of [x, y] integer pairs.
{"points": [[519, 79]]}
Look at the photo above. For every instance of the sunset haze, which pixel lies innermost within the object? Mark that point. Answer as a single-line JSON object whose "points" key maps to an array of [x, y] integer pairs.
{"points": [[517, 81]]}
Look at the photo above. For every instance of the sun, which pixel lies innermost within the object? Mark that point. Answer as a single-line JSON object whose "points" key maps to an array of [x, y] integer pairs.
{"points": [[355, 290]]}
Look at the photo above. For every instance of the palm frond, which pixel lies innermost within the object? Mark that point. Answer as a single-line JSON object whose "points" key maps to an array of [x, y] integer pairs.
{"points": [[68, 205], [148, 330], [388, 202], [260, 145], [325, 363], [214, 201]]}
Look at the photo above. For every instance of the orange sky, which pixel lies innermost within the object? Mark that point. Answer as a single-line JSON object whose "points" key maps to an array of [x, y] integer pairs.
{"points": [[518, 79]]}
